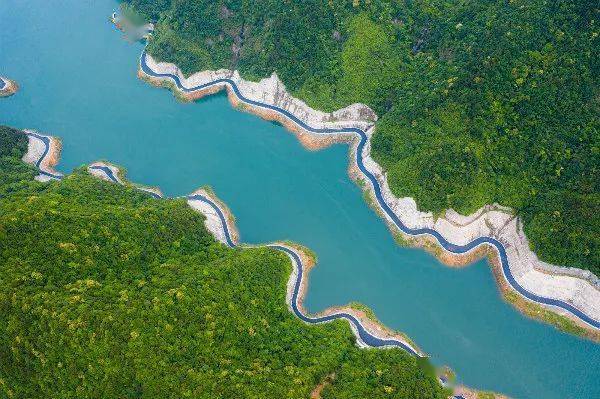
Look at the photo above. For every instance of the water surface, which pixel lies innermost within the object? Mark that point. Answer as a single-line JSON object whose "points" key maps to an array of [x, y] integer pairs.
{"points": [[78, 81]]}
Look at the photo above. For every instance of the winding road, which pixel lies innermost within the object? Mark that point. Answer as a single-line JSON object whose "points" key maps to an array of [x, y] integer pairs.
{"points": [[363, 138], [38, 164], [363, 334], [111, 176]]}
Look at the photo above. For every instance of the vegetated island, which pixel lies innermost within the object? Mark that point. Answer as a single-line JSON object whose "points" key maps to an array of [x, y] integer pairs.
{"points": [[108, 291], [7, 87], [355, 40]]}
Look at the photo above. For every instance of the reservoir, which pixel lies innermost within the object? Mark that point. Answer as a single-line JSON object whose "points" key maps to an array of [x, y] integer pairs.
{"points": [[78, 82]]}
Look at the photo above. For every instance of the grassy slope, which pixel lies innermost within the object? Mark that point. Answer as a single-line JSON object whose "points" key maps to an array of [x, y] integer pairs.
{"points": [[105, 292]]}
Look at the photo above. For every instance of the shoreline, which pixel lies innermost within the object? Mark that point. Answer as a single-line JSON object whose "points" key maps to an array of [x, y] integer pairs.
{"points": [[461, 391], [8, 87], [106, 171], [557, 317], [368, 331], [219, 219], [361, 320], [113, 174], [43, 152], [219, 222], [535, 281]]}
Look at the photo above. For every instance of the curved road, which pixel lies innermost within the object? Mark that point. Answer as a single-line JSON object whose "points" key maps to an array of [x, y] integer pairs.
{"points": [[111, 176], [46, 141], [366, 337], [363, 334], [456, 249]]}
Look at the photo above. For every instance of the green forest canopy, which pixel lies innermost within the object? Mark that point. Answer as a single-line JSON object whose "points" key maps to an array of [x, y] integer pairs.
{"points": [[479, 101], [106, 292]]}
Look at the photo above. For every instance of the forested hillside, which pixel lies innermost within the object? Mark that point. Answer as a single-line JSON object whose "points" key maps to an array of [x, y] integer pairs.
{"points": [[479, 101], [108, 293]]}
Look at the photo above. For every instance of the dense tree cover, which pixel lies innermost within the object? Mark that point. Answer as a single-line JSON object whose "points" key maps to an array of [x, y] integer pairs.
{"points": [[480, 101], [11, 142], [12, 147], [105, 292]]}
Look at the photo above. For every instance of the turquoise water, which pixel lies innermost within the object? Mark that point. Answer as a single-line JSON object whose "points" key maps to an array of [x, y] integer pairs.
{"points": [[78, 82]]}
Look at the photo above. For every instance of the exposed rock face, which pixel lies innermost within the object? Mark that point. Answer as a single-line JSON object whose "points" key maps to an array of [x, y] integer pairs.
{"points": [[106, 171], [7, 87], [573, 286], [43, 152], [272, 91], [578, 287], [213, 222]]}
